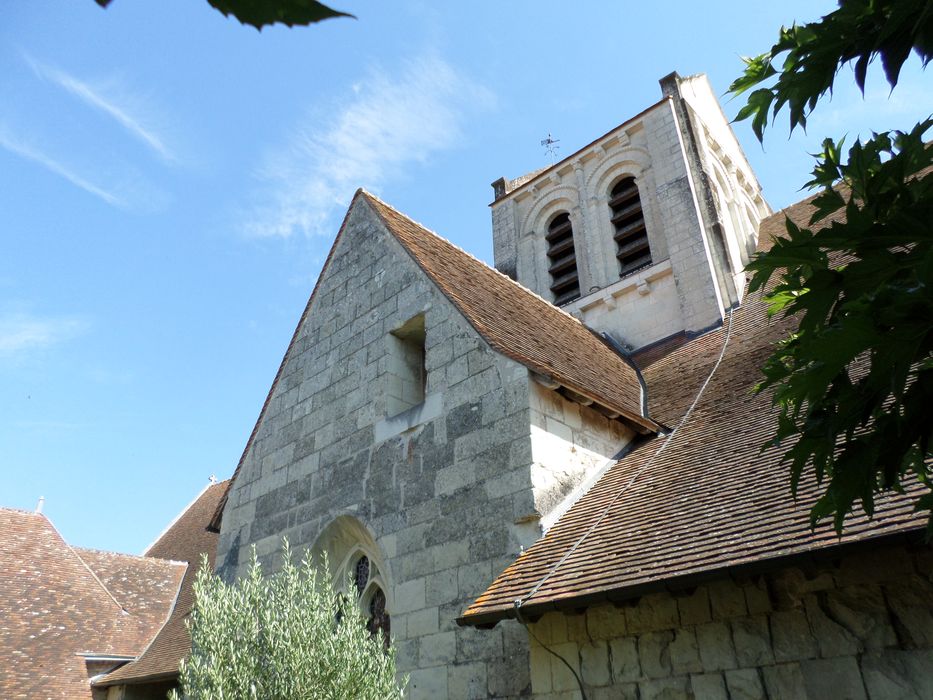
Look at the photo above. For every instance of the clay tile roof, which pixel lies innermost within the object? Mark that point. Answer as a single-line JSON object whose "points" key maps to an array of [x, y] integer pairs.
{"points": [[56, 604], [186, 539], [519, 323], [512, 319], [710, 501]]}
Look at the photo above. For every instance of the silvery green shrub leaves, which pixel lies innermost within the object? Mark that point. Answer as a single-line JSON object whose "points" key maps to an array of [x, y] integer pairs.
{"points": [[285, 636]]}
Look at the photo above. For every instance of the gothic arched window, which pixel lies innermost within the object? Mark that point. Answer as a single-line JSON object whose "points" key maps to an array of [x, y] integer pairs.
{"points": [[628, 220], [562, 260], [369, 590], [360, 576]]}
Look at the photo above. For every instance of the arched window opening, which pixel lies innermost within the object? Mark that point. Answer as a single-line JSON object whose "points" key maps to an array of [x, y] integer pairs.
{"points": [[360, 577], [628, 219], [562, 260], [371, 597]]}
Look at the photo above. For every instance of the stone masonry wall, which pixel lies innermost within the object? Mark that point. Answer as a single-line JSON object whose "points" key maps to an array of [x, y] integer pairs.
{"points": [[570, 444], [857, 628], [440, 487]]}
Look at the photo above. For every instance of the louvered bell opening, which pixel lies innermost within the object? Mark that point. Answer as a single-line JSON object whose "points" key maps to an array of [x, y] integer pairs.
{"points": [[562, 260], [628, 219]]}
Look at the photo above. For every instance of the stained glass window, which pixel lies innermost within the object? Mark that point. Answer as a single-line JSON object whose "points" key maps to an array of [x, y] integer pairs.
{"points": [[361, 574], [378, 617]]}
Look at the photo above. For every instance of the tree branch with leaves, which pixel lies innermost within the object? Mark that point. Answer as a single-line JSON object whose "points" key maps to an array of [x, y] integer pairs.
{"points": [[854, 382], [262, 13]]}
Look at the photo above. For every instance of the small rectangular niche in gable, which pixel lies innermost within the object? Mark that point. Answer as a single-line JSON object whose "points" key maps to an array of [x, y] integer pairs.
{"points": [[406, 376]]}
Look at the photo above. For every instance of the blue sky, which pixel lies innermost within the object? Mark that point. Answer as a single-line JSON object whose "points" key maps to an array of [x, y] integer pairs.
{"points": [[170, 182]]}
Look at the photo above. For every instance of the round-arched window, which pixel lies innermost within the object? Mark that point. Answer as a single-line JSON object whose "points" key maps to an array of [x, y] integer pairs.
{"points": [[628, 222]]}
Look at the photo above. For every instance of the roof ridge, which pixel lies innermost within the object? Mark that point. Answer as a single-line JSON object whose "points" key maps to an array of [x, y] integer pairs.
{"points": [[139, 557], [180, 515], [516, 283], [23, 511]]}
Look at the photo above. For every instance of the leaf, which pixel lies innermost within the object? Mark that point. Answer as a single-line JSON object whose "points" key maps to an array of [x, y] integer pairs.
{"points": [[261, 13]]}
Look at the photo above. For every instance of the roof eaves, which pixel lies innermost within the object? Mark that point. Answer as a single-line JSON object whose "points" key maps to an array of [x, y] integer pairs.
{"points": [[616, 595]]}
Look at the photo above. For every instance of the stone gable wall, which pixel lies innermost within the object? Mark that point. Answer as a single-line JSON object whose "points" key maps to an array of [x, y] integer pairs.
{"points": [[440, 487], [860, 628]]}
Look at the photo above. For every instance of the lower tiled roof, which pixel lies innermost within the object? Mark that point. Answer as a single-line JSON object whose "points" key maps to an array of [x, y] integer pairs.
{"points": [[57, 602], [187, 540], [710, 500]]}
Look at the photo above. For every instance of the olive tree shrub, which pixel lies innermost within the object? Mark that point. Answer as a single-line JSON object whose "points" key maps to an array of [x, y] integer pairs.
{"points": [[286, 636]]}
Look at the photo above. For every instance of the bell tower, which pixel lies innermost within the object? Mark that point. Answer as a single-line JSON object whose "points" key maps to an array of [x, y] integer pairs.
{"points": [[645, 232]]}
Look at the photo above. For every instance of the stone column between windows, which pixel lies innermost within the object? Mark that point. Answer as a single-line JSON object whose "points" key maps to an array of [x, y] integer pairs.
{"points": [[582, 239]]}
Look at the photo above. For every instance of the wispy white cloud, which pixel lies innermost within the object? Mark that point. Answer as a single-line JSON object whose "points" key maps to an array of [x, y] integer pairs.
{"points": [[387, 122], [22, 333], [111, 99], [22, 148]]}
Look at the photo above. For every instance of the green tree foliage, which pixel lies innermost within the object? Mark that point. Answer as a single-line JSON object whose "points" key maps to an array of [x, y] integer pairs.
{"points": [[854, 383], [261, 13], [281, 637]]}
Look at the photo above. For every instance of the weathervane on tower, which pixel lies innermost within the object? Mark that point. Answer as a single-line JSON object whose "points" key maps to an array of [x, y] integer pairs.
{"points": [[551, 147]]}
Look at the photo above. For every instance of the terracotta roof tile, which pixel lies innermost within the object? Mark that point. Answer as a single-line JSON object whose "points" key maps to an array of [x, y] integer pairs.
{"points": [[187, 539], [710, 500], [55, 604]]}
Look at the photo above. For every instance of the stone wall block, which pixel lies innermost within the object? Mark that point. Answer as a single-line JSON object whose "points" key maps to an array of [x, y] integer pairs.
{"points": [[625, 691], [784, 682], [709, 686], [594, 663], [685, 655], [715, 644], [428, 683], [605, 622], [863, 612], [576, 628], [441, 587], [745, 684], [654, 650], [677, 688], [726, 599], [406, 654], [911, 604], [541, 660], [479, 644], [624, 659], [752, 639], [757, 597], [551, 628], [833, 638], [694, 608], [561, 676], [438, 649], [898, 674], [790, 633], [837, 678], [467, 681], [657, 611], [421, 622]]}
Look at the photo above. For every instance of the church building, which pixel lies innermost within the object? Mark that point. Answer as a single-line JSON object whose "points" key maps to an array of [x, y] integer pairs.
{"points": [[545, 478]]}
